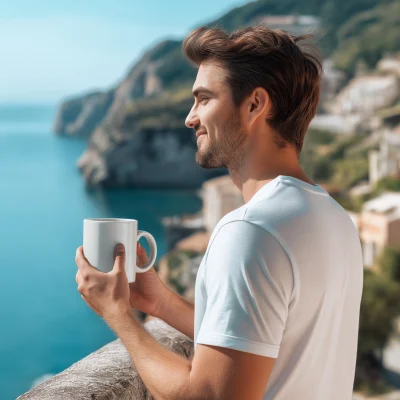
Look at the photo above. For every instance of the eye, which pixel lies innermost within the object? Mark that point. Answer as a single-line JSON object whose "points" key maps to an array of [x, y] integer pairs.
{"points": [[204, 98]]}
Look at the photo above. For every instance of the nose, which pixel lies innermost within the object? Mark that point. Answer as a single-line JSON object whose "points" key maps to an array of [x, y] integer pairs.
{"points": [[192, 120]]}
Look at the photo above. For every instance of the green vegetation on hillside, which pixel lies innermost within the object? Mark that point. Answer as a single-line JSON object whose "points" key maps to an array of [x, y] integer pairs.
{"points": [[350, 30], [368, 36], [327, 158], [380, 308]]}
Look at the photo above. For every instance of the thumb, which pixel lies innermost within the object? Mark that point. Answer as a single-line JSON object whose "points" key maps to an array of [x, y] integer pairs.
{"points": [[119, 255]]}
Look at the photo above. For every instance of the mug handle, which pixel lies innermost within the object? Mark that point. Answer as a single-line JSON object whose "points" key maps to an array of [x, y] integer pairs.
{"points": [[153, 251]]}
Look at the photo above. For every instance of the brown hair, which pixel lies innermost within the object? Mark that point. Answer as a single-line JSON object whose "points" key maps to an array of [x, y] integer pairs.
{"points": [[259, 56]]}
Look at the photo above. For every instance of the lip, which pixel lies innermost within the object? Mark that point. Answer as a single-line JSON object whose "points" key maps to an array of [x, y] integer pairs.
{"points": [[199, 134]]}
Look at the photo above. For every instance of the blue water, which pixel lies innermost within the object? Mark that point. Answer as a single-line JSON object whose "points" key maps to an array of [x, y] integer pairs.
{"points": [[45, 324]]}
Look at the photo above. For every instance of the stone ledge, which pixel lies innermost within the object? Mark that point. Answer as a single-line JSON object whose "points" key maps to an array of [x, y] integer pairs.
{"points": [[108, 373]]}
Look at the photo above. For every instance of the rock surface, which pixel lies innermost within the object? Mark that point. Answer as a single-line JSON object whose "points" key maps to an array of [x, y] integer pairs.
{"points": [[80, 116], [109, 373]]}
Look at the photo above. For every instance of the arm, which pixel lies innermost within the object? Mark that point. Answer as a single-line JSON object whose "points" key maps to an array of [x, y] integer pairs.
{"points": [[178, 312], [238, 340], [214, 373], [232, 360]]}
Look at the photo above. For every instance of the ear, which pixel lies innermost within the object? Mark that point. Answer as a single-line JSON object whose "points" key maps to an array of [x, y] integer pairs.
{"points": [[258, 104]]}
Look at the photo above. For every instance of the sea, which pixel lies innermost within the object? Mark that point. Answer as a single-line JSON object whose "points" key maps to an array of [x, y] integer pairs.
{"points": [[45, 326]]}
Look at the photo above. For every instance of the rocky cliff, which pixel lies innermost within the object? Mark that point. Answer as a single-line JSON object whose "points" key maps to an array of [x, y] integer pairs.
{"points": [[80, 116], [137, 131]]}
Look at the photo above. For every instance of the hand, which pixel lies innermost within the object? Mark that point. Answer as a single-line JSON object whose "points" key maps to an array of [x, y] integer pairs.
{"points": [[148, 293], [106, 293]]}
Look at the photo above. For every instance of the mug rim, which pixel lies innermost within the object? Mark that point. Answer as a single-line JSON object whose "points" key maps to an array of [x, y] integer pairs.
{"points": [[103, 220]]}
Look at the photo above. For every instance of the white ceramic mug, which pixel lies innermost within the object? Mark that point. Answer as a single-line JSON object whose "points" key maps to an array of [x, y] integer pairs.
{"points": [[101, 235]]}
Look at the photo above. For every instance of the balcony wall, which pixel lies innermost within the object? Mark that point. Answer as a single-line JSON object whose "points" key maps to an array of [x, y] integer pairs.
{"points": [[109, 373]]}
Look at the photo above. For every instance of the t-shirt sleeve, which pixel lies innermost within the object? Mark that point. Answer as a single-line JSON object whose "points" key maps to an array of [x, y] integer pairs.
{"points": [[249, 283]]}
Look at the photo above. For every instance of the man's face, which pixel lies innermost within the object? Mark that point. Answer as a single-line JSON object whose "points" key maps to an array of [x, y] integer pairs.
{"points": [[214, 114]]}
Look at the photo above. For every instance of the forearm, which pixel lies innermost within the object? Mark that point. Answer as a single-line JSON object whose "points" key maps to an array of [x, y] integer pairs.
{"points": [[165, 374], [178, 312]]}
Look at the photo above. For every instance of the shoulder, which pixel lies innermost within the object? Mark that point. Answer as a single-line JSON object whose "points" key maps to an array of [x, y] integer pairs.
{"points": [[241, 243], [246, 256], [236, 231], [241, 231]]}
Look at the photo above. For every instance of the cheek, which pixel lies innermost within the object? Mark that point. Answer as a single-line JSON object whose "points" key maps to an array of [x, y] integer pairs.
{"points": [[214, 120], [211, 117]]}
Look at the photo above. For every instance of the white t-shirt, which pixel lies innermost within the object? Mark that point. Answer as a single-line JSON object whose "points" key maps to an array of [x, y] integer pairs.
{"points": [[282, 277]]}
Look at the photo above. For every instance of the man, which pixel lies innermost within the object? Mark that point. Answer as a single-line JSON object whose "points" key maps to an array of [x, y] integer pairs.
{"points": [[278, 291]]}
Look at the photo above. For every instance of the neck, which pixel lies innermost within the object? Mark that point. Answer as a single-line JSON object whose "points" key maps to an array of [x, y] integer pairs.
{"points": [[251, 175]]}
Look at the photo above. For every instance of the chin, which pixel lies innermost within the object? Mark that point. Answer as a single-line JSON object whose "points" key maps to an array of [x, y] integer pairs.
{"points": [[205, 162]]}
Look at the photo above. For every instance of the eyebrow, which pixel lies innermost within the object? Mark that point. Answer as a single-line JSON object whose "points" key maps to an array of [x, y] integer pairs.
{"points": [[202, 89]]}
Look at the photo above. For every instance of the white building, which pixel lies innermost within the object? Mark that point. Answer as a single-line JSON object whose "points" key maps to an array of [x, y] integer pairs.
{"points": [[332, 81], [385, 161], [378, 225], [220, 196], [295, 24], [389, 63], [367, 94], [337, 124]]}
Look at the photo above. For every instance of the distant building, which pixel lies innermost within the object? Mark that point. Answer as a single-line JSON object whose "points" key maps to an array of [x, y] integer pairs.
{"points": [[378, 225], [337, 124], [220, 196], [295, 24], [192, 231], [332, 81], [366, 94], [385, 161], [360, 189], [389, 63]]}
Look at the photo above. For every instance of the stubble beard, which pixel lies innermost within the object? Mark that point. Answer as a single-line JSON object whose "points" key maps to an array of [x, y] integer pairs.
{"points": [[228, 152]]}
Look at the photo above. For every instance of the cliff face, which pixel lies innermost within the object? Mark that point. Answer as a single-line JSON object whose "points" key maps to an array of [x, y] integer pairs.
{"points": [[137, 131], [81, 115], [150, 159]]}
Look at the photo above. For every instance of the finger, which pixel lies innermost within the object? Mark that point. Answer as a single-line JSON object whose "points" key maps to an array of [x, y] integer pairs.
{"points": [[77, 277], [81, 261], [141, 254], [81, 288], [86, 300], [119, 254]]}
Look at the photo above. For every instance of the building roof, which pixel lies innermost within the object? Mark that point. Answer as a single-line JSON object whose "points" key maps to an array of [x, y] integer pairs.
{"points": [[388, 204]]}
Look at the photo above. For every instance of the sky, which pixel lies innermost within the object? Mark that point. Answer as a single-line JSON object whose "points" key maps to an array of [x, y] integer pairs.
{"points": [[50, 50]]}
